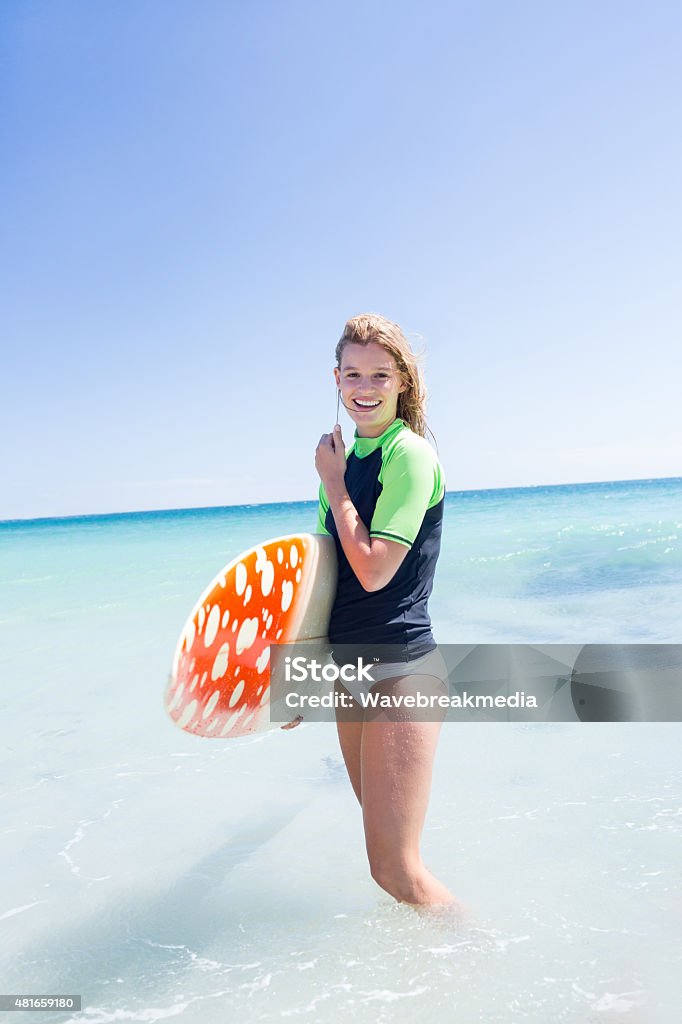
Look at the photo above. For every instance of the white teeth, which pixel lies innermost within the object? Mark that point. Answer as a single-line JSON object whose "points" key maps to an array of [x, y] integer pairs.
{"points": [[365, 405]]}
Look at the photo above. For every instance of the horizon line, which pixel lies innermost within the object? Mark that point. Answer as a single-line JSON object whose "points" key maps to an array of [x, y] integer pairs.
{"points": [[314, 501]]}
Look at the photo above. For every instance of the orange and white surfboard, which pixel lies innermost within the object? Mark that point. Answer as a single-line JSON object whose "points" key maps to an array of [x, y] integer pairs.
{"points": [[281, 591]]}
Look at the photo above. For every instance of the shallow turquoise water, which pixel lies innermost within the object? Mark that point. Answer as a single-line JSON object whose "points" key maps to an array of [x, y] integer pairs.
{"points": [[163, 875]]}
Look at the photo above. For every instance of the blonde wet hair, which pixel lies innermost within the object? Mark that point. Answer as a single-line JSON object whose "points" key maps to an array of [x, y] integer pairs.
{"points": [[369, 327]]}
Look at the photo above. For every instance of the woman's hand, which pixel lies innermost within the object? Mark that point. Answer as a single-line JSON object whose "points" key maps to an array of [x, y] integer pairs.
{"points": [[294, 723], [330, 460]]}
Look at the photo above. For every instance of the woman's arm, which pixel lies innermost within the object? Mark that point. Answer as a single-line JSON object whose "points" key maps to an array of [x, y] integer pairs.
{"points": [[374, 560]]}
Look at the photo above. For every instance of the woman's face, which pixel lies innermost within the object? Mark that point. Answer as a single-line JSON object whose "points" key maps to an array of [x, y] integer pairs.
{"points": [[370, 384]]}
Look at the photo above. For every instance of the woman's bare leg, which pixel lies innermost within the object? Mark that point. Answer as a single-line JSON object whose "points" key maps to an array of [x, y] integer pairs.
{"points": [[349, 726], [397, 754]]}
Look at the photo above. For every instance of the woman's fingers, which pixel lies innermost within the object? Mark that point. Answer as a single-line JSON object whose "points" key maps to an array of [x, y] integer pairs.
{"points": [[333, 440], [330, 457], [326, 443], [293, 724]]}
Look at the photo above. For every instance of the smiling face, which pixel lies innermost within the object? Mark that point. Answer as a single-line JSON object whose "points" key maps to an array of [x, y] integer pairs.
{"points": [[370, 384]]}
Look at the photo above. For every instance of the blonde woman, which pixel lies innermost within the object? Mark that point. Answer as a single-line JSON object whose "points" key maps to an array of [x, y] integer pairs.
{"points": [[382, 502]]}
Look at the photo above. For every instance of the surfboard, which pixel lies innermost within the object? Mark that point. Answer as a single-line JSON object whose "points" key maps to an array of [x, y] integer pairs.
{"points": [[280, 591]]}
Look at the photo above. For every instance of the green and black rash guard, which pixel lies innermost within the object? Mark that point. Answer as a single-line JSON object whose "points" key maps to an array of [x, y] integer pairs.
{"points": [[397, 486]]}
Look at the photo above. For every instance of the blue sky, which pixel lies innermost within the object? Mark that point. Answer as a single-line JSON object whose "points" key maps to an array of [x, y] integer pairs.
{"points": [[196, 197]]}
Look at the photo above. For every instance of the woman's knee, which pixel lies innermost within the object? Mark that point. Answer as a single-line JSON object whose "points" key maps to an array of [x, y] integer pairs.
{"points": [[400, 877]]}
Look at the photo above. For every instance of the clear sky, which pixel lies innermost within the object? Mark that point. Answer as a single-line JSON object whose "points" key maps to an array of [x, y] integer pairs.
{"points": [[196, 196]]}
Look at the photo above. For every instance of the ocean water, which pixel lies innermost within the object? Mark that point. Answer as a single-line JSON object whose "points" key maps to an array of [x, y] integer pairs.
{"points": [[165, 876]]}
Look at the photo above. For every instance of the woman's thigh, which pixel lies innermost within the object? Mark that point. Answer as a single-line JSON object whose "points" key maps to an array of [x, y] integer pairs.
{"points": [[349, 725], [396, 757]]}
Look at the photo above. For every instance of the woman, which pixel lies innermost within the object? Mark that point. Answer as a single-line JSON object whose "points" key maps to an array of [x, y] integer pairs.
{"points": [[383, 504]]}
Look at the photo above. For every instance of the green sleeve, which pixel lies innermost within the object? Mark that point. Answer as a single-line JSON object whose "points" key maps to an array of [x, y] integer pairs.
{"points": [[413, 482], [322, 512]]}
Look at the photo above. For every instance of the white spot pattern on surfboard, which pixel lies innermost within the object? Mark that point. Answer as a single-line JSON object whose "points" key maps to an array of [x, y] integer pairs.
{"points": [[220, 664], [240, 578], [287, 594], [213, 700], [212, 626], [190, 634], [232, 719], [188, 714], [236, 693], [266, 580], [247, 634]]}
